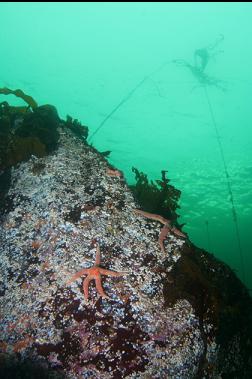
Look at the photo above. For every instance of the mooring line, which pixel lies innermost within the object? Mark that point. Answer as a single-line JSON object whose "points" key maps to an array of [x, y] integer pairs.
{"points": [[234, 213]]}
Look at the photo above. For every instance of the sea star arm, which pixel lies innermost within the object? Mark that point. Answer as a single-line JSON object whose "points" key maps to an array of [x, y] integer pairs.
{"points": [[103, 271], [98, 255], [99, 288], [177, 232], [85, 286], [78, 275], [152, 216], [162, 236]]}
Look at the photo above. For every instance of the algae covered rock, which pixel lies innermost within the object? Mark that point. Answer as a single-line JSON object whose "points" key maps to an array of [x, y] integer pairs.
{"points": [[178, 313]]}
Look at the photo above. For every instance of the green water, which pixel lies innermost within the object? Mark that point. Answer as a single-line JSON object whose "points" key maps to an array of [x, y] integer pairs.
{"points": [[87, 59]]}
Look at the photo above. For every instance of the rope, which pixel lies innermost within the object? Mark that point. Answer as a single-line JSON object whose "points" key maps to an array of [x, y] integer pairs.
{"points": [[117, 107], [234, 214], [208, 235], [126, 98]]}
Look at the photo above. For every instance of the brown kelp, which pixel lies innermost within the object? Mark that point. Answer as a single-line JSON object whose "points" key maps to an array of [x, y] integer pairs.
{"points": [[19, 93], [26, 131], [158, 197]]}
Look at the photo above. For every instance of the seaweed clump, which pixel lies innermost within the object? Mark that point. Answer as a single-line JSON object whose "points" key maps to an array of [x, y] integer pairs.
{"points": [[158, 197], [42, 124], [19, 93], [24, 133], [76, 127]]}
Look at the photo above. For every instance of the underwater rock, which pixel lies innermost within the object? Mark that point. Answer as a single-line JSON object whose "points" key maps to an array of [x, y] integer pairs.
{"points": [[182, 314]]}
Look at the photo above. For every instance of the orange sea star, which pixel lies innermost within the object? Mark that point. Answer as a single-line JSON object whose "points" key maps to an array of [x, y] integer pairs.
{"points": [[94, 273], [167, 228]]}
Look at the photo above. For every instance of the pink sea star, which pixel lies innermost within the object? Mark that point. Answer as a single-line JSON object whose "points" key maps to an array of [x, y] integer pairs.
{"points": [[167, 228], [94, 273]]}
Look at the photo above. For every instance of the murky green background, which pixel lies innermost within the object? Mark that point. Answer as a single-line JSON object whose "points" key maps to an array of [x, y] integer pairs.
{"points": [[87, 58]]}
